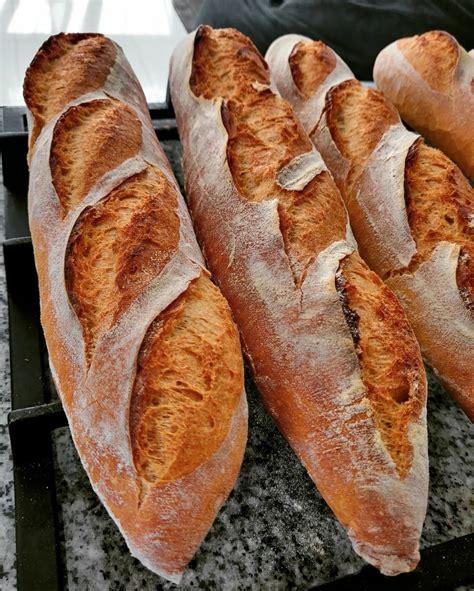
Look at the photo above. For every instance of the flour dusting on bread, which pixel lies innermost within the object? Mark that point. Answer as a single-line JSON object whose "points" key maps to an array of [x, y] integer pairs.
{"points": [[278, 270], [118, 261], [408, 203]]}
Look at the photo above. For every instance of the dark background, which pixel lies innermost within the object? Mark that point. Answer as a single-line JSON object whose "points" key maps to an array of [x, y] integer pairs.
{"points": [[356, 29]]}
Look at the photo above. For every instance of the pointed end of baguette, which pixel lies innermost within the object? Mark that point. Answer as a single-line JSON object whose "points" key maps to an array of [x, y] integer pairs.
{"points": [[387, 563], [173, 577]]}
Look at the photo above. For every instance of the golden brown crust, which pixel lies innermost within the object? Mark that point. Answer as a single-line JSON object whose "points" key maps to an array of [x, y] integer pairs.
{"points": [[295, 332], [64, 68], [76, 162], [310, 64], [129, 315], [440, 207], [264, 136], [230, 52], [357, 117], [116, 249], [434, 55], [188, 385], [388, 355]]}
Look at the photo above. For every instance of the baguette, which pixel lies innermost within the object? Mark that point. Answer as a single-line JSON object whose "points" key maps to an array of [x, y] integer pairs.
{"points": [[410, 207], [331, 350], [430, 79], [142, 347]]}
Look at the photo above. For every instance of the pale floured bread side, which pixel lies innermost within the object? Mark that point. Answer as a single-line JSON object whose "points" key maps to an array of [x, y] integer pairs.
{"points": [[332, 352], [142, 346], [430, 79], [410, 207]]}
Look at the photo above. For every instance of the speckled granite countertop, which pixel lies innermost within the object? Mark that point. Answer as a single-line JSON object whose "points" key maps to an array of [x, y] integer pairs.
{"points": [[7, 517], [274, 532]]}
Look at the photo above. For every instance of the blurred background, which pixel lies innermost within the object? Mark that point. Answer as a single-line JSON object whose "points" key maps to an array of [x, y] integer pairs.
{"points": [[148, 30]]}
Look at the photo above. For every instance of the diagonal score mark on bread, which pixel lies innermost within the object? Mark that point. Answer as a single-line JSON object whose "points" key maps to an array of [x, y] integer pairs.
{"points": [[387, 353], [117, 248], [436, 214], [306, 78], [439, 200], [356, 128], [187, 382], [66, 66], [264, 139], [76, 162]]}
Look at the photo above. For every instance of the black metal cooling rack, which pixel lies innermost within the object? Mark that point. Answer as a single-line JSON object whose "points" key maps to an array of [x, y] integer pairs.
{"points": [[36, 410]]}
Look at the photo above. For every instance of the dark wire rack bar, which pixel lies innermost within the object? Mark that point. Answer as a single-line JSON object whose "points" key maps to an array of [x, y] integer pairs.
{"points": [[36, 410]]}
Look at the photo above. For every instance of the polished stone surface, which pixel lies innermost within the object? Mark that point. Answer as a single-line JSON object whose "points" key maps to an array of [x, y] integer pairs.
{"points": [[275, 531], [7, 518]]}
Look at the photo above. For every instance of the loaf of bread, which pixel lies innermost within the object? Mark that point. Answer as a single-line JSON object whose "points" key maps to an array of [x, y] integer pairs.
{"points": [[410, 207], [430, 79], [142, 346], [332, 352]]}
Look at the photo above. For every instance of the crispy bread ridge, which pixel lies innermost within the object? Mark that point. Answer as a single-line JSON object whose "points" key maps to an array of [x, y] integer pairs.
{"points": [[312, 359], [117, 247], [65, 67], [263, 137], [142, 346], [300, 61], [411, 210], [76, 163]]}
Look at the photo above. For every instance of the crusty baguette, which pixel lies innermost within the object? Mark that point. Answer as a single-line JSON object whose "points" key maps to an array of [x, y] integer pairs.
{"points": [[142, 346], [410, 207], [332, 352], [430, 79]]}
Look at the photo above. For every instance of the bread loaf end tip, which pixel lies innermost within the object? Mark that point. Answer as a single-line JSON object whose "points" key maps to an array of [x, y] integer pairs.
{"points": [[387, 563]]}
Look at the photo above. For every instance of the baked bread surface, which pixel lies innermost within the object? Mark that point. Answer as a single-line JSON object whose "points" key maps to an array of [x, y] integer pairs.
{"points": [[142, 346], [331, 350], [430, 79], [410, 206]]}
